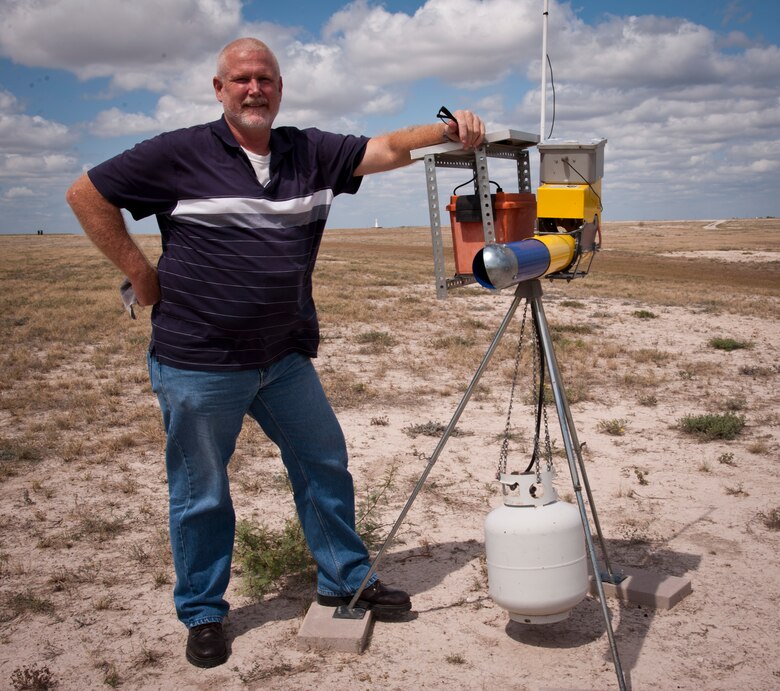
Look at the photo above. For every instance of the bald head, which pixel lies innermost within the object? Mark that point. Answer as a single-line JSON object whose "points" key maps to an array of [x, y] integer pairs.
{"points": [[242, 47]]}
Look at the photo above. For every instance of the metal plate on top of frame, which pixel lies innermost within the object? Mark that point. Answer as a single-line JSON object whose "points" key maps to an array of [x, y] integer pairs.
{"points": [[502, 139]]}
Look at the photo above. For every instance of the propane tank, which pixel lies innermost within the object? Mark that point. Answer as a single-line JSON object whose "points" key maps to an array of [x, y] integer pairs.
{"points": [[535, 548]]}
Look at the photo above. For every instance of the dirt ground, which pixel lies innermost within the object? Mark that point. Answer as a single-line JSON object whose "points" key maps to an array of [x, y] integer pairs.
{"points": [[91, 604]]}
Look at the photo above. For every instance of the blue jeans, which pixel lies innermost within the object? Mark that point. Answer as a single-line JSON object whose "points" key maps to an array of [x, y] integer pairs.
{"points": [[202, 414]]}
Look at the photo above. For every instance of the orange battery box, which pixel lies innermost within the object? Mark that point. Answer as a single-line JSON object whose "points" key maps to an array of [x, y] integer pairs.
{"points": [[514, 218]]}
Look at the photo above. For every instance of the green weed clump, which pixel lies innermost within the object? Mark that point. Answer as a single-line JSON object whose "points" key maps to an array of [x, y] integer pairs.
{"points": [[645, 314], [738, 491], [367, 521], [729, 344], [268, 557], [758, 371], [615, 428], [735, 404], [453, 342], [579, 329], [431, 429], [14, 455], [17, 604], [771, 519], [727, 459], [648, 400], [376, 342], [709, 427], [34, 678]]}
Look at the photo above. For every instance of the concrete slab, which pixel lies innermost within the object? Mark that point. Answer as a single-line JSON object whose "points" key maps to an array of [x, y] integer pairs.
{"points": [[321, 631], [645, 588]]}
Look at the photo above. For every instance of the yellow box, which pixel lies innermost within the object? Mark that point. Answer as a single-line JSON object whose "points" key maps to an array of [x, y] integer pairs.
{"points": [[568, 201]]}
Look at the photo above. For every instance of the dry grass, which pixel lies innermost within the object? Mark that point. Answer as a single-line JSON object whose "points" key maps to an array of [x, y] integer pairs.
{"points": [[74, 396], [71, 362]]}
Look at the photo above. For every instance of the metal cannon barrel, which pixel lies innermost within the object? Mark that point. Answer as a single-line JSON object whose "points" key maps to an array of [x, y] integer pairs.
{"points": [[498, 266]]}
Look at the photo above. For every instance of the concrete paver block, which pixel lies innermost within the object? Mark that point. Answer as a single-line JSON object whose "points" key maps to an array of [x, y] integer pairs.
{"points": [[321, 631], [646, 588]]}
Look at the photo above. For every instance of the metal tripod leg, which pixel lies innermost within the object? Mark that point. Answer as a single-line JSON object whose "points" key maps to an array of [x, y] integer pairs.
{"points": [[524, 290], [571, 444]]}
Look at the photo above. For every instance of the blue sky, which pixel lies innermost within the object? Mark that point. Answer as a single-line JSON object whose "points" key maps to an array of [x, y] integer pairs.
{"points": [[687, 93]]}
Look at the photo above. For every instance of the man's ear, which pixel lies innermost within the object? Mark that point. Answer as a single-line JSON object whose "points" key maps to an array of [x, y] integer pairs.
{"points": [[217, 83]]}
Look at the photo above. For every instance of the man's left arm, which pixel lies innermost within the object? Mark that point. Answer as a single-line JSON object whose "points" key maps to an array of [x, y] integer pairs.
{"points": [[389, 151]]}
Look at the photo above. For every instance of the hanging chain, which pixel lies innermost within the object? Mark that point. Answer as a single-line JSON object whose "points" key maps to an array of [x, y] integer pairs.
{"points": [[502, 456], [547, 444], [538, 364], [536, 368]]}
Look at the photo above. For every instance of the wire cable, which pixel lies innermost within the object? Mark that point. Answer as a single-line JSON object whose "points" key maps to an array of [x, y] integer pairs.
{"points": [[492, 182], [585, 180], [552, 86]]}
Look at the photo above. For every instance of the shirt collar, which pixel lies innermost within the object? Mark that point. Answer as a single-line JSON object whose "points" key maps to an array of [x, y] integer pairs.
{"points": [[279, 145]]}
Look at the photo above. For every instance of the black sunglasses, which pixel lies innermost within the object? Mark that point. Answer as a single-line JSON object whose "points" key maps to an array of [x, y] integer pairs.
{"points": [[444, 115]]}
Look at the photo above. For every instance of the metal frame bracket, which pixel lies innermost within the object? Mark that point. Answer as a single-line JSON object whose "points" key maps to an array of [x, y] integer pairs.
{"points": [[508, 144]]}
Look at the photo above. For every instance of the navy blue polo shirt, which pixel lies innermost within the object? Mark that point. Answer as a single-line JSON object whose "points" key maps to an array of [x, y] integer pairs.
{"points": [[237, 257]]}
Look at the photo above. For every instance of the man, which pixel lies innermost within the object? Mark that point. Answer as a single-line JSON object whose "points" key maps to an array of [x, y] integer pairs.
{"points": [[241, 209]]}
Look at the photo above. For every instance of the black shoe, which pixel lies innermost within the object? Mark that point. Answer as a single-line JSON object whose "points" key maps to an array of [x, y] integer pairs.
{"points": [[206, 645], [384, 602]]}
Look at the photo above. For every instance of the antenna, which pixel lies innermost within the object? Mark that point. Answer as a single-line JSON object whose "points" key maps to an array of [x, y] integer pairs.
{"points": [[544, 70]]}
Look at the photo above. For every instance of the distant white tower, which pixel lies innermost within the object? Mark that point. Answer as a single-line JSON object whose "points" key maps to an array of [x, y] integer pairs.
{"points": [[376, 223]]}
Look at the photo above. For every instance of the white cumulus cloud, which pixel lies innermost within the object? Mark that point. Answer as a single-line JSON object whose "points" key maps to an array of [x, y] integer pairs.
{"points": [[454, 40], [115, 39], [21, 133], [685, 107], [18, 193]]}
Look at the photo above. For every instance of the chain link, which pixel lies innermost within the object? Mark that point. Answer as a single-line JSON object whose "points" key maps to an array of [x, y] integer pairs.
{"points": [[539, 446], [504, 453], [538, 365], [537, 368], [547, 444]]}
